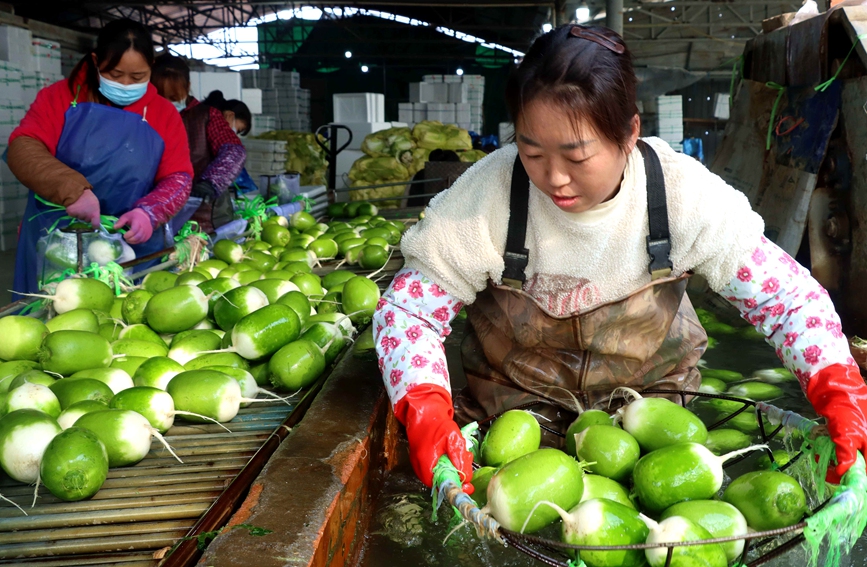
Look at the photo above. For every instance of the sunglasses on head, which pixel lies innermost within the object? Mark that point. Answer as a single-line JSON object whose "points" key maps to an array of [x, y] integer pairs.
{"points": [[582, 32]]}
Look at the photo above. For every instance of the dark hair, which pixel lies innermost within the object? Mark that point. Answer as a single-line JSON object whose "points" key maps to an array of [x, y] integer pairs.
{"points": [[169, 74], [241, 110], [586, 71], [114, 39]]}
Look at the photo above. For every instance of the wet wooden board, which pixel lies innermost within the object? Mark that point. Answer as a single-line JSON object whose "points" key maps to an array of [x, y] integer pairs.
{"points": [[807, 53], [766, 57], [142, 508]]}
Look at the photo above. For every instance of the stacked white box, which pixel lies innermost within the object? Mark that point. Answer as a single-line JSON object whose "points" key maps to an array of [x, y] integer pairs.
{"points": [[269, 78], [262, 123], [453, 79], [228, 83], [359, 107], [265, 157], [404, 112], [721, 106], [465, 94], [441, 111], [458, 92], [68, 61], [670, 120], [419, 112], [10, 82], [253, 99], [359, 131], [289, 105], [428, 92], [13, 199], [16, 46], [432, 79], [46, 57]]}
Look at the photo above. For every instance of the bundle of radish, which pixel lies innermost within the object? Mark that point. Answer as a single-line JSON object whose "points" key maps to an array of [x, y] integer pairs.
{"points": [[656, 422]]}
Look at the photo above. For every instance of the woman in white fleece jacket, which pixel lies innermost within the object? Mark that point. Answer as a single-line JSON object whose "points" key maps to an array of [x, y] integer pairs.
{"points": [[571, 250]]}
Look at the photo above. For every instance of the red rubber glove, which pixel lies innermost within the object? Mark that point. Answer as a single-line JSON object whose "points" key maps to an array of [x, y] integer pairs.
{"points": [[139, 223], [85, 208], [838, 394], [427, 411]]}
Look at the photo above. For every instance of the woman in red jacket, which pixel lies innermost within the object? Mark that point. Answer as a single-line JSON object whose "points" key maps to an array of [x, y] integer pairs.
{"points": [[102, 142]]}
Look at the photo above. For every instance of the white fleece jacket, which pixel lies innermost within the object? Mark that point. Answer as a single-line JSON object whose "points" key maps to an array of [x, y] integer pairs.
{"points": [[578, 260]]}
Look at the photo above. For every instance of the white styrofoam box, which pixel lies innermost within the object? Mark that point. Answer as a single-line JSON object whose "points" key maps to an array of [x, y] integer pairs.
{"points": [[444, 112], [474, 79], [15, 46], [428, 92], [253, 99], [46, 56], [12, 205], [462, 112], [721, 106], [405, 115], [359, 107], [432, 79], [419, 112], [465, 125], [458, 92], [506, 131], [359, 131], [262, 123], [345, 159], [271, 146], [453, 79], [229, 83], [266, 166]]}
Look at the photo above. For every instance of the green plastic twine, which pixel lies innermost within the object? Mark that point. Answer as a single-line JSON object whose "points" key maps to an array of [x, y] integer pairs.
{"points": [[821, 87], [111, 274], [576, 563], [817, 455], [255, 211], [738, 60], [781, 90], [183, 249], [843, 519], [308, 202], [442, 472]]}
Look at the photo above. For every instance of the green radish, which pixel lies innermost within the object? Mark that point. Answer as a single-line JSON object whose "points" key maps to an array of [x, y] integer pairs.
{"points": [[336, 209], [236, 303], [114, 378], [596, 486], [360, 297], [364, 342], [228, 251], [156, 282], [367, 209], [301, 220], [274, 289], [141, 332], [721, 441], [280, 275], [32, 396], [70, 415], [372, 257], [300, 241], [259, 245], [770, 375], [110, 331], [261, 261], [609, 451], [297, 268], [217, 359], [275, 235], [712, 386], [331, 302], [134, 304], [116, 311], [677, 473], [599, 522], [516, 489], [227, 273], [720, 519], [299, 303], [249, 387], [74, 465], [748, 422], [12, 369], [24, 435], [69, 391], [375, 233], [351, 209], [155, 404], [192, 345], [336, 277], [248, 277], [343, 236], [301, 255], [726, 376], [207, 394], [212, 266], [481, 478], [129, 364], [328, 337], [177, 338], [725, 406], [126, 435], [193, 278], [157, 372], [297, 365], [678, 529], [347, 244], [265, 331], [215, 288], [377, 241], [67, 352], [323, 248], [582, 422], [657, 422], [176, 309], [132, 347], [261, 374], [308, 284], [768, 499], [80, 293], [206, 325], [353, 255], [513, 434], [781, 458], [756, 391], [338, 319], [32, 376], [75, 320]]}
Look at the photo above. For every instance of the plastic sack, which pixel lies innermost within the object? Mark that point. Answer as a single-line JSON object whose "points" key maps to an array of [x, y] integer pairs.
{"points": [[284, 187], [58, 250], [373, 170]]}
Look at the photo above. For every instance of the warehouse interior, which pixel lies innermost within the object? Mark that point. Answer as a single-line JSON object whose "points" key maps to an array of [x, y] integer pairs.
{"points": [[349, 102]]}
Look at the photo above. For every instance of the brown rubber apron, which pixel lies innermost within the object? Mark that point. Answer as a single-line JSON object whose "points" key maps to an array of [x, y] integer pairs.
{"points": [[517, 352]]}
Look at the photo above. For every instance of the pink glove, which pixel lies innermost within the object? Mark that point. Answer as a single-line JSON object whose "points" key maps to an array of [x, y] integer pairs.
{"points": [[139, 223], [86, 208]]}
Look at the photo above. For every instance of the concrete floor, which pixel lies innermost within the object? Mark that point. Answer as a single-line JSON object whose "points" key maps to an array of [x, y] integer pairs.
{"points": [[7, 272]]}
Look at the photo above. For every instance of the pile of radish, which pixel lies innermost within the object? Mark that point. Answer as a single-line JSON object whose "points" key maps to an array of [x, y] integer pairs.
{"points": [[94, 385], [643, 475]]}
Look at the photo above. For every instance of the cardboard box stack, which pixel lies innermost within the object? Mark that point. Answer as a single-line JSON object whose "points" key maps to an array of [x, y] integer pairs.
{"points": [[282, 97], [670, 120], [451, 99]]}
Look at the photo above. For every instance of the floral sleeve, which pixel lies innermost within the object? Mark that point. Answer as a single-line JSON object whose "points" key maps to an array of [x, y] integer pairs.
{"points": [[409, 327], [782, 300]]}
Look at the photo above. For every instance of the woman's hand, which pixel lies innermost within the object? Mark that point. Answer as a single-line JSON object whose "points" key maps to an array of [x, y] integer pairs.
{"points": [[85, 208], [139, 223]]}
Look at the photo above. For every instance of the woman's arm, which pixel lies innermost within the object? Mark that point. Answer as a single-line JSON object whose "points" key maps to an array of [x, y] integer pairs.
{"points": [[44, 174], [229, 154], [167, 198]]}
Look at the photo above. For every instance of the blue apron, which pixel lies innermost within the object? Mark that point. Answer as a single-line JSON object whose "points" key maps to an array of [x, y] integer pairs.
{"points": [[118, 152]]}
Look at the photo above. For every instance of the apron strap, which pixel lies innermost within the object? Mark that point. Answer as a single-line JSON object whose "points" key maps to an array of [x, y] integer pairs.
{"points": [[516, 256], [659, 239]]}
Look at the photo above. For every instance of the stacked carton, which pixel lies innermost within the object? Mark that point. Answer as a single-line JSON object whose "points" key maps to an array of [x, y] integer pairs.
{"points": [[265, 157], [282, 97], [451, 99], [670, 120]]}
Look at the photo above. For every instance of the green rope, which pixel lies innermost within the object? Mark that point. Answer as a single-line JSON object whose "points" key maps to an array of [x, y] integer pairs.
{"points": [[737, 60], [842, 521], [817, 455], [111, 274], [443, 471], [255, 212], [781, 90], [308, 202], [183, 249], [821, 87], [576, 563]]}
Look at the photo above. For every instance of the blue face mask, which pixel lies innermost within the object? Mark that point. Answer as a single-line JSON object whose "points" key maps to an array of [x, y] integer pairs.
{"points": [[180, 105], [119, 94]]}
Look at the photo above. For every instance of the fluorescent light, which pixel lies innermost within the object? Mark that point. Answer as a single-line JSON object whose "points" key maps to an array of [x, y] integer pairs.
{"points": [[348, 54], [459, 71], [582, 14], [546, 28], [364, 69]]}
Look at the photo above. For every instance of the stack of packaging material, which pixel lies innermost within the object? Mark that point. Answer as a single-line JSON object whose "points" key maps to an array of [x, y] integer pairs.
{"points": [[670, 120], [68, 61], [47, 68], [265, 157], [450, 99], [13, 199], [282, 97]]}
